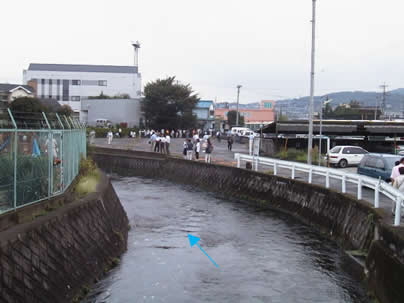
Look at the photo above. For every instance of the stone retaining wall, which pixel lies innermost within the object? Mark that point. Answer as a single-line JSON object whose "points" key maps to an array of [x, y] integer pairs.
{"points": [[350, 222], [52, 258]]}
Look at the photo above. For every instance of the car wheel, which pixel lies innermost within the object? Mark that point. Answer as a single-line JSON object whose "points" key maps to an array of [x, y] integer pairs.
{"points": [[343, 163]]}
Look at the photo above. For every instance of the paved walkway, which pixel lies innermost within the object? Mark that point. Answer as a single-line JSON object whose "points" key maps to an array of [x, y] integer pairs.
{"points": [[223, 156], [220, 153]]}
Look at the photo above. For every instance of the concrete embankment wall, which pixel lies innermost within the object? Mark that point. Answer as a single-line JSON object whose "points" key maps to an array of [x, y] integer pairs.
{"points": [[53, 257], [350, 222]]}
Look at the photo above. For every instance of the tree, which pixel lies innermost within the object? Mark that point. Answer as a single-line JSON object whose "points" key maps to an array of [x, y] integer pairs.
{"points": [[283, 117], [232, 118], [27, 105], [65, 110], [168, 104]]}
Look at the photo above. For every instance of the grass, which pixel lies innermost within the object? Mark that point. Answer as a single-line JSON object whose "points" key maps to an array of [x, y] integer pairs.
{"points": [[89, 177], [293, 154]]}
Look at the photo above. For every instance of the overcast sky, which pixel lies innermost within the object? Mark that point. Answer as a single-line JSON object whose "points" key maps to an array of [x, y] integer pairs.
{"points": [[214, 45]]}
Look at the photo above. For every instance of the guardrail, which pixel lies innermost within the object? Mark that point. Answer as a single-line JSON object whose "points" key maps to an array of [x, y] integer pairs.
{"points": [[379, 186]]}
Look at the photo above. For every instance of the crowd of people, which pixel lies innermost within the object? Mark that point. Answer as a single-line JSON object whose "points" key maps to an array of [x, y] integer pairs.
{"points": [[193, 147], [196, 141], [160, 142]]}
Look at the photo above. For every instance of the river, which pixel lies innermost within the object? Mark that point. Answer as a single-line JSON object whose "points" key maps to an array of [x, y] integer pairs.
{"points": [[263, 256]]}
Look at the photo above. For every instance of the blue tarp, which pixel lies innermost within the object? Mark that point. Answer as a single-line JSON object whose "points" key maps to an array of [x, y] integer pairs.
{"points": [[35, 149], [5, 143]]}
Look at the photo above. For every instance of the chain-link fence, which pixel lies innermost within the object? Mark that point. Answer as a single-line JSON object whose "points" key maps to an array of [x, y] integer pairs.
{"points": [[39, 156]]}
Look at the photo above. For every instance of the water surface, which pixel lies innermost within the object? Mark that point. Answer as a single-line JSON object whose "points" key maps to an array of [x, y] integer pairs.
{"points": [[262, 256]]}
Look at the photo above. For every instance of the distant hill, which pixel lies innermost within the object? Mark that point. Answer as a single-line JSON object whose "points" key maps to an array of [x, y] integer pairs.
{"points": [[398, 91], [298, 108]]}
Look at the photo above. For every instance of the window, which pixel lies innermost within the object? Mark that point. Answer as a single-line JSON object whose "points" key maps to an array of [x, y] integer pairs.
{"points": [[335, 150], [58, 97], [89, 82], [358, 150], [102, 82], [50, 88], [75, 98], [371, 162], [65, 90], [379, 164], [347, 150], [267, 105], [43, 81], [76, 82]]}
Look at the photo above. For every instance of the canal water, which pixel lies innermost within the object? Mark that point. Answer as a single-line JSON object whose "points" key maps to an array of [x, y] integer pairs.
{"points": [[262, 256]]}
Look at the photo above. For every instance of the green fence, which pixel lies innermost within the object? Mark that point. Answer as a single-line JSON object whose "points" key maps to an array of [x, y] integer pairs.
{"points": [[39, 156]]}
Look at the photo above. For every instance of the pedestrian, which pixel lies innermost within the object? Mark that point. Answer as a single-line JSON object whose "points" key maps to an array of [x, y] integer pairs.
{"points": [[399, 181], [395, 171], [208, 151], [157, 145], [110, 136], [168, 141], [206, 137], [152, 141], [195, 137], [218, 136], [184, 149], [229, 142], [197, 149], [163, 144], [399, 184], [92, 136], [120, 132], [190, 148]]}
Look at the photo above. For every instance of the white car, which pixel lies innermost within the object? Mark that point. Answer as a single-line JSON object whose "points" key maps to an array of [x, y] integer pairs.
{"points": [[343, 156]]}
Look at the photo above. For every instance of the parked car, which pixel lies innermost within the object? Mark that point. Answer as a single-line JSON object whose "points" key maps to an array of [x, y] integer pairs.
{"points": [[400, 150], [378, 165], [343, 156], [247, 133], [236, 131], [103, 123]]}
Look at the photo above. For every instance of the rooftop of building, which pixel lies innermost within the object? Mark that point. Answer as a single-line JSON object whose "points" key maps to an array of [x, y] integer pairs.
{"points": [[83, 68], [7, 87], [204, 103]]}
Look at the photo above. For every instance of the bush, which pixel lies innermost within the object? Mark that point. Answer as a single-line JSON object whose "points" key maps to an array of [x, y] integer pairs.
{"points": [[32, 178], [293, 154], [88, 167], [89, 177]]}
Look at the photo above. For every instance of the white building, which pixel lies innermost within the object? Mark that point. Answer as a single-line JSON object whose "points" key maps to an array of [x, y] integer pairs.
{"points": [[71, 83], [115, 110]]}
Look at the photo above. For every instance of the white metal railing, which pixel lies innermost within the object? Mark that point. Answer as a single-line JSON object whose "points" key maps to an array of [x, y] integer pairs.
{"points": [[379, 186]]}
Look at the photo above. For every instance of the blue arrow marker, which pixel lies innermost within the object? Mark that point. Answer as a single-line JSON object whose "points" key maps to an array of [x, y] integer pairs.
{"points": [[194, 240]]}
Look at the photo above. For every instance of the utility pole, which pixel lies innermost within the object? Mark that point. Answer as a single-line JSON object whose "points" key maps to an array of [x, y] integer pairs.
{"points": [[238, 99], [376, 107], [313, 48], [383, 107]]}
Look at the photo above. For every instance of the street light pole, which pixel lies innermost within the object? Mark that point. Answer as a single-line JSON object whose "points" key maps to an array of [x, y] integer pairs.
{"points": [[321, 128], [313, 47], [238, 97]]}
